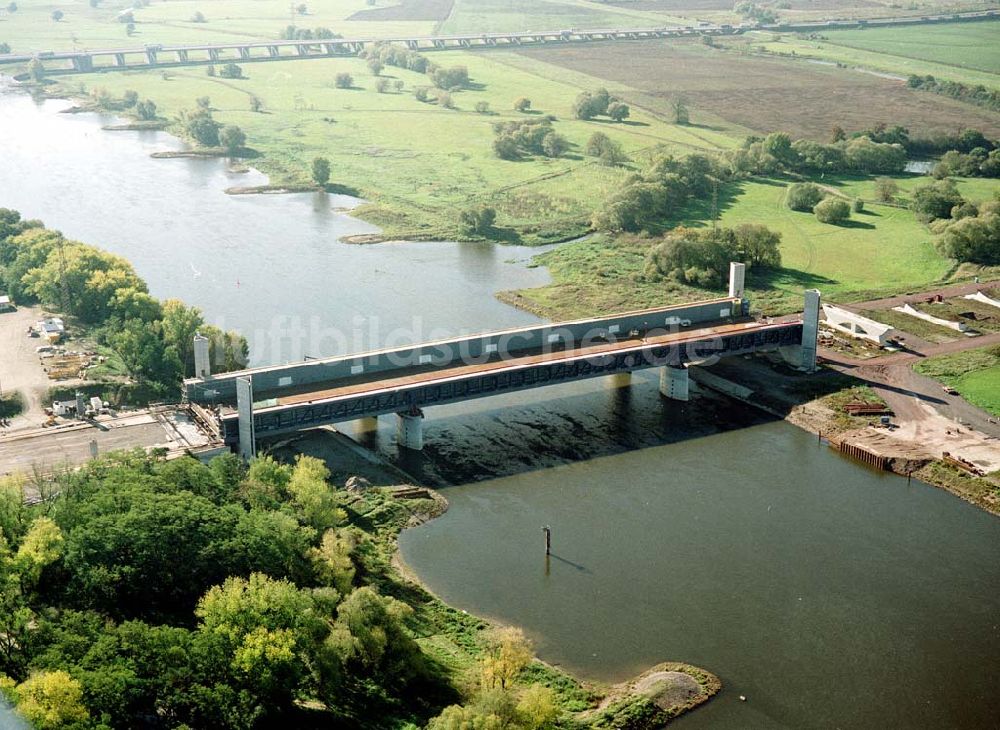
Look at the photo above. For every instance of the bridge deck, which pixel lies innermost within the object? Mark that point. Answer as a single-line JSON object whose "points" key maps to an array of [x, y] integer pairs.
{"points": [[376, 382]]}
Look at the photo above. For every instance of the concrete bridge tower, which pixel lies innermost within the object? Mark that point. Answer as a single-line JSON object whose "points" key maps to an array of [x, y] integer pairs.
{"points": [[202, 360]]}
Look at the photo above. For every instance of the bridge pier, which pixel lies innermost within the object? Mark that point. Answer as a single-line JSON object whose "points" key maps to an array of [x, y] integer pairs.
{"points": [[675, 382], [410, 429], [83, 63], [620, 380]]}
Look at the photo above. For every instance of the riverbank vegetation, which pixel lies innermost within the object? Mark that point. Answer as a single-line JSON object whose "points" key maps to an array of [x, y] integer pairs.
{"points": [[143, 592], [152, 340]]}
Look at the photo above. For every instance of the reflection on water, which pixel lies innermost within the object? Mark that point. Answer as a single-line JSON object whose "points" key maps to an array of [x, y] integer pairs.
{"points": [[829, 595], [270, 266]]}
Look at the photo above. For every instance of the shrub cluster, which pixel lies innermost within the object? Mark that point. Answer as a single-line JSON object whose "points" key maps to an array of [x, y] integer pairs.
{"points": [[600, 103], [517, 139], [978, 94], [700, 257]]}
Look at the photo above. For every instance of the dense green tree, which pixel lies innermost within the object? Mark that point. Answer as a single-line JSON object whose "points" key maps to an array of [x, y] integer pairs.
{"points": [[343, 80], [832, 210], [757, 245], [4, 48], [935, 200], [369, 639], [200, 126], [875, 157], [313, 498], [231, 71], [974, 238], [143, 352], [619, 111], [554, 145], [50, 701], [146, 110], [607, 150], [455, 77], [803, 197], [57, 15], [232, 138], [522, 104], [321, 171], [779, 146], [477, 221], [126, 561]]}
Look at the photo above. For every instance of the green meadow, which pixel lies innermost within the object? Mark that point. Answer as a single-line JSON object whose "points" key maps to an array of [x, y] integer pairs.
{"points": [[966, 45], [419, 163], [974, 373]]}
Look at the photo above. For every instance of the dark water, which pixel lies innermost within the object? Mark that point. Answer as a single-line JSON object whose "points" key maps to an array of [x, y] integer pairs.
{"points": [[829, 595], [270, 266]]}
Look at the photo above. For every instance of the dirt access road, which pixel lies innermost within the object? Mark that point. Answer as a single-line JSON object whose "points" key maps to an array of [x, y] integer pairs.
{"points": [[926, 414], [20, 368]]}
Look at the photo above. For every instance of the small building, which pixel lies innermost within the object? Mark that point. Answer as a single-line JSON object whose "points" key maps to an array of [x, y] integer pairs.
{"points": [[52, 329], [6, 305], [64, 407]]}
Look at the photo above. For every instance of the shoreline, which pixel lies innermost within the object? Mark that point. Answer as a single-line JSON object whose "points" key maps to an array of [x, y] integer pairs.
{"points": [[902, 457], [608, 698]]}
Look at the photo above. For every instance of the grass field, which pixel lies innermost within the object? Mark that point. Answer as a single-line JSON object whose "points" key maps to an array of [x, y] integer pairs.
{"points": [[881, 250], [973, 373], [966, 45], [32, 27], [762, 94], [419, 163], [792, 45]]}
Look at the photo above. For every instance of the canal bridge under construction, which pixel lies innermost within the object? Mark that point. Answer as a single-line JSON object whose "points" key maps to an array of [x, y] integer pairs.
{"points": [[271, 401]]}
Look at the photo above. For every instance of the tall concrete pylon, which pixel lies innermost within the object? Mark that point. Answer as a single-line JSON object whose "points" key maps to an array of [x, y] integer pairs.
{"points": [[810, 330], [202, 359], [244, 407], [737, 277]]}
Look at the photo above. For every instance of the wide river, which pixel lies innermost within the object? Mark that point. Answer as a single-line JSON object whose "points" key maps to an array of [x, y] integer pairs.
{"points": [[829, 595]]}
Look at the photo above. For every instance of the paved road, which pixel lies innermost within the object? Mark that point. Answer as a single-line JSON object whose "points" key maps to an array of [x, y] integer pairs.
{"points": [[49, 449]]}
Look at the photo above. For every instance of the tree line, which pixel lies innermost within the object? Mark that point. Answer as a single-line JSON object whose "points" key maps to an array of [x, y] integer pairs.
{"points": [[152, 594], [978, 94], [154, 339]]}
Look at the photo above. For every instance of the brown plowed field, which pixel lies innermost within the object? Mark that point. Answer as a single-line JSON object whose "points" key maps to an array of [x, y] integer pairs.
{"points": [[408, 10], [765, 94]]}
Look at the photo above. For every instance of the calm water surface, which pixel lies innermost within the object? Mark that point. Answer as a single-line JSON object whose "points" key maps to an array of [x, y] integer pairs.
{"points": [[829, 595], [270, 266]]}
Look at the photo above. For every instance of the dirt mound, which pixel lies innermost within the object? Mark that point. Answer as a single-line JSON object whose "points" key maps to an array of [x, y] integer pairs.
{"points": [[668, 689]]}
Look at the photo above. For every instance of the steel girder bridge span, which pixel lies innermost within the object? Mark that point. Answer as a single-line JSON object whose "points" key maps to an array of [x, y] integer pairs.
{"points": [[280, 400]]}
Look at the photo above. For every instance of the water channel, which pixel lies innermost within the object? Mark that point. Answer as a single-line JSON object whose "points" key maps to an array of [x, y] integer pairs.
{"points": [[829, 595]]}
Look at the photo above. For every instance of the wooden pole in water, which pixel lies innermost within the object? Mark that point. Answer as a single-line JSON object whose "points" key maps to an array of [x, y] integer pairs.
{"points": [[548, 539]]}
